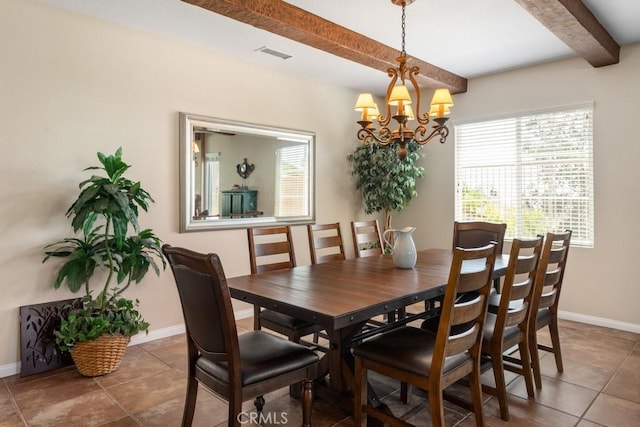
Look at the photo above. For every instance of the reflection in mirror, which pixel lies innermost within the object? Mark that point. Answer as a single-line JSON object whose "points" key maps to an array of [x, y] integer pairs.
{"points": [[238, 175]]}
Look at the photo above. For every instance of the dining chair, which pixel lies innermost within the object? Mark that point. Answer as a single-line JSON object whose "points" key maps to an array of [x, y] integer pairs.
{"points": [[431, 361], [325, 243], [468, 235], [546, 297], [236, 368], [271, 248], [509, 325], [367, 240]]}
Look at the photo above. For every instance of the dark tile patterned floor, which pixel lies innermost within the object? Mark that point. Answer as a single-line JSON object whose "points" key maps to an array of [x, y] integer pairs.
{"points": [[600, 386]]}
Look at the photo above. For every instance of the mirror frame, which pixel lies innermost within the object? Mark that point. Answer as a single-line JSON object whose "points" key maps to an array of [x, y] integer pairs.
{"points": [[186, 125]]}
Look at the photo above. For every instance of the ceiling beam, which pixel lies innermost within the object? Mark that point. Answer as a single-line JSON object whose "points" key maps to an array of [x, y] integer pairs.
{"points": [[289, 21], [573, 23]]}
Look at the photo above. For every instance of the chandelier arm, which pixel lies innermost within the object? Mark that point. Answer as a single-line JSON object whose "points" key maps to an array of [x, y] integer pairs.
{"points": [[422, 118], [367, 136], [384, 120], [441, 131]]}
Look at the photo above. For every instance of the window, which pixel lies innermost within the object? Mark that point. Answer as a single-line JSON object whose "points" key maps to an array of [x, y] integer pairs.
{"points": [[292, 181], [533, 171], [211, 185]]}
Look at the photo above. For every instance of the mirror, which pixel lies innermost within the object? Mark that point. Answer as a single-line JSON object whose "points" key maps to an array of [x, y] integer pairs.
{"points": [[239, 175]]}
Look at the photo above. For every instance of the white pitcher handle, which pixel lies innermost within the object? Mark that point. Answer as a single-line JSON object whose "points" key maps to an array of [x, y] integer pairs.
{"points": [[384, 237]]}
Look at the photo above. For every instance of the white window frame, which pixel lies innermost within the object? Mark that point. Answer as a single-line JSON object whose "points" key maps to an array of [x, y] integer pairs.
{"points": [[532, 170]]}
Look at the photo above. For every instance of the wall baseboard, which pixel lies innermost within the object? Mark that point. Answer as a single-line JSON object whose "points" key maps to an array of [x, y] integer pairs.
{"points": [[9, 369], [157, 334], [599, 321], [14, 368]]}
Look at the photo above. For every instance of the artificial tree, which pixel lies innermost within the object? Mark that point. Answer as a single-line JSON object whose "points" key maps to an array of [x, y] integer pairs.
{"points": [[387, 182], [103, 214]]}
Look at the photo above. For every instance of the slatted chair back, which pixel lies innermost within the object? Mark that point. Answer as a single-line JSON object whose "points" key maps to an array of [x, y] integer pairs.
{"points": [[552, 268], [507, 325], [517, 290], [461, 323], [546, 298], [367, 239], [476, 234], [270, 248], [325, 243]]}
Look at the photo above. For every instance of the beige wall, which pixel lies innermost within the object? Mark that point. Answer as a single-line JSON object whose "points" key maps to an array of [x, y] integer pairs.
{"points": [[71, 86], [599, 282]]}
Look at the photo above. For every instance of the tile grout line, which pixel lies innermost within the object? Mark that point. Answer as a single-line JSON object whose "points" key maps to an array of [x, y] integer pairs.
{"points": [[128, 414], [579, 418], [161, 361], [601, 391], [15, 403], [105, 389]]}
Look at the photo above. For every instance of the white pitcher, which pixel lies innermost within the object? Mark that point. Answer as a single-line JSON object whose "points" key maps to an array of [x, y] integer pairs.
{"points": [[404, 250]]}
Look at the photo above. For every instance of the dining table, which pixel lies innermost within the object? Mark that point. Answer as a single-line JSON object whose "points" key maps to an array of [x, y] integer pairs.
{"points": [[342, 296]]}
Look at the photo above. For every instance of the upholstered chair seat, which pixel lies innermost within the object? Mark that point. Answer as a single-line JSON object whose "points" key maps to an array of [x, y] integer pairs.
{"points": [[262, 357]]}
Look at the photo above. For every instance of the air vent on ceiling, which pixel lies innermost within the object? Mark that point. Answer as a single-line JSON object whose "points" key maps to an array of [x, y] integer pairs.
{"points": [[272, 52]]}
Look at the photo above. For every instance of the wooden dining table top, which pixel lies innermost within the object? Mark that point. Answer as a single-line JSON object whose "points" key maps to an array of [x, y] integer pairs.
{"points": [[343, 293]]}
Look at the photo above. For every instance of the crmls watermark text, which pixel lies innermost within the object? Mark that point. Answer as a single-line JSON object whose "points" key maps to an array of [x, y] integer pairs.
{"points": [[263, 418]]}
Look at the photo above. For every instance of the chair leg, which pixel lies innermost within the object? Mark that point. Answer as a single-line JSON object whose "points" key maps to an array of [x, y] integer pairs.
{"points": [[535, 358], [190, 401], [436, 405], [476, 394], [294, 389], [555, 340], [235, 411], [501, 388], [405, 393], [526, 366], [259, 403], [307, 401], [256, 318], [359, 394]]}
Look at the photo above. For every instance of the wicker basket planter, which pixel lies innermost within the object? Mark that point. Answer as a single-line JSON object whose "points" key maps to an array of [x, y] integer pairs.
{"points": [[100, 356]]}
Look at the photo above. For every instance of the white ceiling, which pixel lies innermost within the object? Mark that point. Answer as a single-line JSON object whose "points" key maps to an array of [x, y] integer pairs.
{"points": [[470, 38]]}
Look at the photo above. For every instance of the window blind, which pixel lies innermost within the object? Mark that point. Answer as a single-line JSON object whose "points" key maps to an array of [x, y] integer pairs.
{"points": [[532, 171], [292, 181]]}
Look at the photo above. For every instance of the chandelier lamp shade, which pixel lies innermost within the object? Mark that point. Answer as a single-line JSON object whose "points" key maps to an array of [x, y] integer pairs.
{"points": [[376, 128]]}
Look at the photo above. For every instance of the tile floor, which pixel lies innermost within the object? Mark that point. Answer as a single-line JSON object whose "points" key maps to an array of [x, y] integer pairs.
{"points": [[600, 387]]}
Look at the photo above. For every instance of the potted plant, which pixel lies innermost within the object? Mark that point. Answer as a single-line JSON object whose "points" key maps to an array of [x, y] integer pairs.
{"points": [[98, 327], [387, 182]]}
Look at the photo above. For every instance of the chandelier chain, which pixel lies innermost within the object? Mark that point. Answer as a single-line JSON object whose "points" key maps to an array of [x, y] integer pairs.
{"points": [[403, 53]]}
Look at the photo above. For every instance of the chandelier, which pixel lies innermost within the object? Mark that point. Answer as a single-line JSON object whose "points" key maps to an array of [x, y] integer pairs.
{"points": [[398, 97]]}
